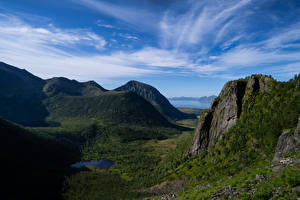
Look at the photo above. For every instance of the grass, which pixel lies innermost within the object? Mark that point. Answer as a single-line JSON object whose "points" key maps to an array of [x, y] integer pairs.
{"points": [[162, 148], [196, 111], [191, 123]]}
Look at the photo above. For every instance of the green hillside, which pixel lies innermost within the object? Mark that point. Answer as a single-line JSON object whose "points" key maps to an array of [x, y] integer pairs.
{"points": [[111, 107], [31, 101], [153, 96]]}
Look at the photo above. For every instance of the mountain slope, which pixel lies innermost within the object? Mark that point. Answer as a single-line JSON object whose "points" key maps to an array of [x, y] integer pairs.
{"points": [[68, 87], [153, 96], [21, 96], [114, 107], [32, 164], [241, 100], [29, 100], [246, 146]]}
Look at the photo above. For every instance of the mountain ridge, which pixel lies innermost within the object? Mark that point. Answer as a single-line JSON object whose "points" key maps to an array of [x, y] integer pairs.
{"points": [[32, 101]]}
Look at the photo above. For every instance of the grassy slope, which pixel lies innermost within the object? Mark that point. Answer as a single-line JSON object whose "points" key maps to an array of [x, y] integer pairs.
{"points": [[111, 107], [195, 111]]}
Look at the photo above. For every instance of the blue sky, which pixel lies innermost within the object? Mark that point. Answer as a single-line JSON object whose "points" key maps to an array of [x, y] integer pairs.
{"points": [[184, 48]]}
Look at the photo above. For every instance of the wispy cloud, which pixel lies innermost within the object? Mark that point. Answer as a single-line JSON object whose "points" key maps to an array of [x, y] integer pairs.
{"points": [[128, 36], [138, 17], [204, 22], [209, 38], [43, 52]]}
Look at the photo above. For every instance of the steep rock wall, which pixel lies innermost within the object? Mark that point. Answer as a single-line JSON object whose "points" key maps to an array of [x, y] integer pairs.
{"points": [[225, 110]]}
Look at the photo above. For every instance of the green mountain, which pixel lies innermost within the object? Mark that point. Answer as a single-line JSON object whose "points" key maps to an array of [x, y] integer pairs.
{"points": [[68, 87], [153, 96], [31, 101], [246, 145], [111, 107]]}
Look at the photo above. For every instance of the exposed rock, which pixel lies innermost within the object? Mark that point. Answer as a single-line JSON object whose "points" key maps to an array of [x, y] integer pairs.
{"points": [[201, 138], [168, 188], [289, 141], [276, 168], [226, 110], [260, 178], [228, 192]]}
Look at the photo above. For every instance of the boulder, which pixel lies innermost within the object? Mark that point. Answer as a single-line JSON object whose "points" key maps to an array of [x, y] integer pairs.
{"points": [[288, 142]]}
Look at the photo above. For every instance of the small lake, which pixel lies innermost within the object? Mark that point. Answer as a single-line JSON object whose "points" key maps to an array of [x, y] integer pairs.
{"points": [[98, 164], [189, 104]]}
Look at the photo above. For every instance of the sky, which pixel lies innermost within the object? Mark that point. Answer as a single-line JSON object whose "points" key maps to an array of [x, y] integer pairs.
{"points": [[181, 47]]}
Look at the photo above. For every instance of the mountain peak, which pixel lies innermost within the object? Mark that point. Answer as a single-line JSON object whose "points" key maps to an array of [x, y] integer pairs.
{"points": [[61, 85], [152, 95]]}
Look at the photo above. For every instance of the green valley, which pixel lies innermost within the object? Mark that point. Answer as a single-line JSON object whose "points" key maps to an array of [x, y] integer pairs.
{"points": [[245, 146]]}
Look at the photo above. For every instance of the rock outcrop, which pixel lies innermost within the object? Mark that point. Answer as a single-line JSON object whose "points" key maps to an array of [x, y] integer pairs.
{"points": [[225, 110], [288, 142]]}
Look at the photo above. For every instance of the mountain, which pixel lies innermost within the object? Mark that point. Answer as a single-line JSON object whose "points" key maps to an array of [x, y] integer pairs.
{"points": [[68, 87], [153, 96], [32, 101], [21, 96], [227, 108], [246, 145], [32, 164]]}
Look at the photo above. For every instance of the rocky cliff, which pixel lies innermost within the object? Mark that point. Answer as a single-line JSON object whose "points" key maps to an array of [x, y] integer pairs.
{"points": [[288, 142], [226, 109]]}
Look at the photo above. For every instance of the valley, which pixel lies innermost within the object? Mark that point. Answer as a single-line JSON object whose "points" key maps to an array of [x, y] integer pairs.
{"points": [[148, 148]]}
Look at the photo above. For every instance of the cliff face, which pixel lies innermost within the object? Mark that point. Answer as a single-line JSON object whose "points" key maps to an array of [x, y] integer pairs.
{"points": [[288, 142], [225, 110]]}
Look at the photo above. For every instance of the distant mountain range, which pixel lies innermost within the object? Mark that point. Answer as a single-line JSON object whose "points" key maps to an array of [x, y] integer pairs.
{"points": [[204, 99]]}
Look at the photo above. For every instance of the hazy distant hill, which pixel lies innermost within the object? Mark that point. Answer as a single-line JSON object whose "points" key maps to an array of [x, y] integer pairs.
{"points": [[204, 99], [153, 96], [192, 102]]}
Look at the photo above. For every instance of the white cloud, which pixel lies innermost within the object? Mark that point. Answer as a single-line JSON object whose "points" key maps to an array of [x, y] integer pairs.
{"points": [[100, 23], [39, 51], [13, 28], [285, 38], [135, 16], [252, 57], [128, 36]]}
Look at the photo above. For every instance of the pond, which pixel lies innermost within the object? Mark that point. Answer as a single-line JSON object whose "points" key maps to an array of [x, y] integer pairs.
{"points": [[98, 164]]}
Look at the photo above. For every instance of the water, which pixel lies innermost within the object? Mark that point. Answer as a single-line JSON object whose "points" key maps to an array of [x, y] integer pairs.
{"points": [[98, 164], [189, 104]]}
